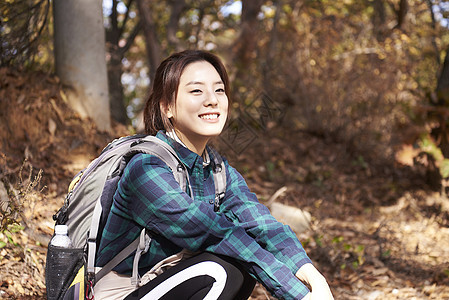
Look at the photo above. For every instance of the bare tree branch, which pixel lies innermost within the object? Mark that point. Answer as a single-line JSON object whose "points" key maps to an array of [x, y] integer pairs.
{"points": [[131, 38]]}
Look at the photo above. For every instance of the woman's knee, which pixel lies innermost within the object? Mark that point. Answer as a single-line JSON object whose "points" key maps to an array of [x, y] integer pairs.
{"points": [[238, 283], [205, 275]]}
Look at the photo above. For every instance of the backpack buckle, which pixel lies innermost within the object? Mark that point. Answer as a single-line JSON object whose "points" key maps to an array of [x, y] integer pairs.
{"points": [[217, 201], [217, 168]]}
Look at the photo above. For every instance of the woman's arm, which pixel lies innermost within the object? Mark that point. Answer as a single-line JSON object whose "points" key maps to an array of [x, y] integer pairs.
{"points": [[243, 208], [152, 198]]}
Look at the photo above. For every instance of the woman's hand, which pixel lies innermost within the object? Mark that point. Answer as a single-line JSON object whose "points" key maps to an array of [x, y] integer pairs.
{"points": [[320, 289]]}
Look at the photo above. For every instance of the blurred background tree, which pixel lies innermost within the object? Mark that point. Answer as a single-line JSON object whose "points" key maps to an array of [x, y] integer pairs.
{"points": [[80, 62], [372, 75]]}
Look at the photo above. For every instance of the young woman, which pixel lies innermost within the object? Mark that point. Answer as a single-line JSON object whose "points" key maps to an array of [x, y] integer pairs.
{"points": [[198, 252]]}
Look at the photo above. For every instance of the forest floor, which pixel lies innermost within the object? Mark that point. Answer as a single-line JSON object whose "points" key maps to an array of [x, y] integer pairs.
{"points": [[378, 231]]}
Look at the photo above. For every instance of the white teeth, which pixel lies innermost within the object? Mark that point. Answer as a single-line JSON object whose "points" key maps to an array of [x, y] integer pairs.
{"points": [[209, 117]]}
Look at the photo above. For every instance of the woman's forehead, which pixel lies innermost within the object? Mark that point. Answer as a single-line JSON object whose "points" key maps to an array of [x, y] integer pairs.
{"points": [[200, 72]]}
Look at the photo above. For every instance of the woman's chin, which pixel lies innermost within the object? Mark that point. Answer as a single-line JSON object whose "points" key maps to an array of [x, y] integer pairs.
{"points": [[212, 131]]}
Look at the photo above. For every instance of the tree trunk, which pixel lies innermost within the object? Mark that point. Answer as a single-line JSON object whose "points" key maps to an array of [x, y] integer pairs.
{"points": [[402, 13], [153, 47], [434, 34], [245, 46], [443, 82], [247, 41], [117, 105], [114, 34], [379, 20], [177, 8], [271, 53], [80, 62], [440, 133]]}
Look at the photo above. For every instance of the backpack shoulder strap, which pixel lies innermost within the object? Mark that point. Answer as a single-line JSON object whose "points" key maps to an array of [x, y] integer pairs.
{"points": [[219, 174], [153, 145], [149, 145]]}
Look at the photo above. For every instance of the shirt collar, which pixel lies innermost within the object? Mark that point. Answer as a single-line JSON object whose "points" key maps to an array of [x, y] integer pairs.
{"points": [[187, 157]]}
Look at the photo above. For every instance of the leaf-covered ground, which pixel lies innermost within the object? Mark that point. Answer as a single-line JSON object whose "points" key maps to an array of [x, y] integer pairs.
{"points": [[378, 231]]}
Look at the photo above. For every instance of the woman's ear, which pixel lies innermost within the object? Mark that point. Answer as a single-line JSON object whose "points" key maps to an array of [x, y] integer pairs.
{"points": [[166, 110]]}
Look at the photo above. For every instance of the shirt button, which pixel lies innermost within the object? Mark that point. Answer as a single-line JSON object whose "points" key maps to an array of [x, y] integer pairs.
{"points": [[211, 201]]}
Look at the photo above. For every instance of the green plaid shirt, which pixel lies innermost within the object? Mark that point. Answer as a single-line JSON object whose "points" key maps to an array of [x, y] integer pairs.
{"points": [[148, 196]]}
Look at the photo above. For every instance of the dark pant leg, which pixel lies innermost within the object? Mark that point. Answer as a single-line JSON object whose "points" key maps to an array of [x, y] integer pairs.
{"points": [[239, 284]]}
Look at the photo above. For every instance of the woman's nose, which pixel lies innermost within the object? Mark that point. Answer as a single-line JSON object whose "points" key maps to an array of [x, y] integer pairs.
{"points": [[211, 99]]}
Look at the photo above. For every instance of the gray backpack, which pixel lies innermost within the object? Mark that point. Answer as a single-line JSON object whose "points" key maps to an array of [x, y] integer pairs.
{"points": [[86, 210]]}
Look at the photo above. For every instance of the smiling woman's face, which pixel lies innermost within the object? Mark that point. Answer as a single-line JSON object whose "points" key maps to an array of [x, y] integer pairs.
{"points": [[201, 105]]}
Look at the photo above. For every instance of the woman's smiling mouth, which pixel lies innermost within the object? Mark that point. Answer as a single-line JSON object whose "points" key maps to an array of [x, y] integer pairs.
{"points": [[211, 116]]}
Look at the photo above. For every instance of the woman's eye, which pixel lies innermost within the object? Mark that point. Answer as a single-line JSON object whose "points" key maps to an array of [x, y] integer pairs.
{"points": [[195, 91], [220, 90]]}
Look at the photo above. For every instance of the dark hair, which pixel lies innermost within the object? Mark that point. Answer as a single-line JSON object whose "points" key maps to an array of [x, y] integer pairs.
{"points": [[166, 82]]}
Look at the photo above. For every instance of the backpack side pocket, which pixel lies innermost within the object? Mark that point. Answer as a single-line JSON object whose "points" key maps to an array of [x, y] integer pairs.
{"points": [[61, 268]]}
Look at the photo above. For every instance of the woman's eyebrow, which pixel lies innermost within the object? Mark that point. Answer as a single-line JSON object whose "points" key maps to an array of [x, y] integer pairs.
{"points": [[194, 82], [202, 83]]}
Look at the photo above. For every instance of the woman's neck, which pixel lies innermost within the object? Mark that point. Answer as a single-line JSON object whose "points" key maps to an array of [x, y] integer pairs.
{"points": [[196, 146]]}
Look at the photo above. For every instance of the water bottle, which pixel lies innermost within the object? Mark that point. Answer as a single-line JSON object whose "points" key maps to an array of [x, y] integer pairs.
{"points": [[61, 239]]}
